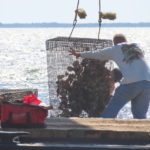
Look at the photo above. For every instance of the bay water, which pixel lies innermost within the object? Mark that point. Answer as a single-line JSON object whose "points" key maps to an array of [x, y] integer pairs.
{"points": [[23, 62]]}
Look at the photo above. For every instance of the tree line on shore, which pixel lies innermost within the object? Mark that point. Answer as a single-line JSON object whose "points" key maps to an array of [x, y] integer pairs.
{"points": [[48, 25]]}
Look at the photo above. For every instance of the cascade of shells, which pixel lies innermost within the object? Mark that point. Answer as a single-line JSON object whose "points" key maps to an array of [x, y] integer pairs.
{"points": [[86, 86]]}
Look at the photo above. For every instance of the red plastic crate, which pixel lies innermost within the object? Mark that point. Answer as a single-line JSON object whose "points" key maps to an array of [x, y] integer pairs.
{"points": [[22, 115]]}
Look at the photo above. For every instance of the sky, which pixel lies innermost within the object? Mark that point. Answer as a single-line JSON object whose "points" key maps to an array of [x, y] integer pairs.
{"points": [[63, 11]]}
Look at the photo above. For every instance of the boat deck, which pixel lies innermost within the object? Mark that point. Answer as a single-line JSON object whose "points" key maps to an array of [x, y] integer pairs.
{"points": [[88, 133], [96, 128]]}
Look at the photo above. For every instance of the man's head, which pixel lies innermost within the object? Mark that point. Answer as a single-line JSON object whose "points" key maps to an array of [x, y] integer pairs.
{"points": [[119, 38]]}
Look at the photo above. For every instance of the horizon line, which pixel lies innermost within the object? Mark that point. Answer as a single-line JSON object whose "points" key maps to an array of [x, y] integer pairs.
{"points": [[71, 23]]}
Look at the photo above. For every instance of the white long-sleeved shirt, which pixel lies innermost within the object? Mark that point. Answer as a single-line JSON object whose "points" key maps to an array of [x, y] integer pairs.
{"points": [[135, 71]]}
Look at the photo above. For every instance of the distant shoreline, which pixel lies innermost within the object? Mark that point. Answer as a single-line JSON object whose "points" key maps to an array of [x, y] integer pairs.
{"points": [[69, 25]]}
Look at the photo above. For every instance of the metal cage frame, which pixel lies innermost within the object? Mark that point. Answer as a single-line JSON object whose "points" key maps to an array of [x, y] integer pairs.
{"points": [[58, 59]]}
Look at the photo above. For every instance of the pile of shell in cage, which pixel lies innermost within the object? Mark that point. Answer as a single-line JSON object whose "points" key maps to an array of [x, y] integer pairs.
{"points": [[86, 86]]}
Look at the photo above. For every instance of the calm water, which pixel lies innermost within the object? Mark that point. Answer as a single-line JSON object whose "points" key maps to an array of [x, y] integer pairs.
{"points": [[23, 56]]}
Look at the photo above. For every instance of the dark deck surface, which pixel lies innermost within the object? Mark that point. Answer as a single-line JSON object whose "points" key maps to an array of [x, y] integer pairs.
{"points": [[87, 133]]}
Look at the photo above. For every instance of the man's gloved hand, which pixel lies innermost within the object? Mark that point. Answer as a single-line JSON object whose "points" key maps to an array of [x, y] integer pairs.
{"points": [[116, 75]]}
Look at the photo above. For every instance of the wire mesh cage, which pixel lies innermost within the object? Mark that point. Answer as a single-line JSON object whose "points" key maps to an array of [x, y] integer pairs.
{"points": [[64, 43], [58, 58]]}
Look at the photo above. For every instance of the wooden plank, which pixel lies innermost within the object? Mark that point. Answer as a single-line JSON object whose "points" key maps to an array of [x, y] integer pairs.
{"points": [[142, 125]]}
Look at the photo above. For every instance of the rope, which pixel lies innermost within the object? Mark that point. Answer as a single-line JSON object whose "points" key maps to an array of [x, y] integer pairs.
{"points": [[100, 20], [75, 20]]}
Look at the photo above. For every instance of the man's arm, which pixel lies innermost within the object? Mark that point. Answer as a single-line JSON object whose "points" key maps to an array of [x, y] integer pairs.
{"points": [[104, 54]]}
